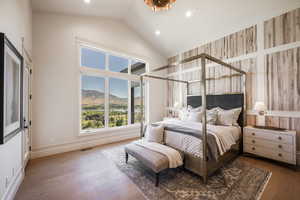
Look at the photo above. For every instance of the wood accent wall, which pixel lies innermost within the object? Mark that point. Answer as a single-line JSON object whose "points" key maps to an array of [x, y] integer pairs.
{"points": [[172, 60], [283, 29], [283, 88], [173, 91], [222, 80], [234, 45], [281, 78]]}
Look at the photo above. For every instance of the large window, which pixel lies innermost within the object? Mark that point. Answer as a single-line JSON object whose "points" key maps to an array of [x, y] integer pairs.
{"points": [[118, 64], [92, 102], [93, 59], [109, 98], [118, 102]]}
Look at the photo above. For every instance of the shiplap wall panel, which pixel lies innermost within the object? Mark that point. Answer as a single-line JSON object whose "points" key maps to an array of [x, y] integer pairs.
{"points": [[286, 123], [173, 91], [236, 44], [172, 60], [222, 80], [283, 29], [282, 77], [189, 54], [283, 80]]}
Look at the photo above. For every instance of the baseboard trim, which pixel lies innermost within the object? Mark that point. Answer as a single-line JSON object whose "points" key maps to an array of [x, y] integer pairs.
{"points": [[81, 145], [14, 186]]}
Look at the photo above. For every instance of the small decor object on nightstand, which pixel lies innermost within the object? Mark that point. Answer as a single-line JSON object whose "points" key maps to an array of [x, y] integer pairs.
{"points": [[261, 109], [272, 144]]}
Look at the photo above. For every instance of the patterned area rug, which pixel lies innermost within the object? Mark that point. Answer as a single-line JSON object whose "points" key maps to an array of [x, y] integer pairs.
{"points": [[236, 181]]}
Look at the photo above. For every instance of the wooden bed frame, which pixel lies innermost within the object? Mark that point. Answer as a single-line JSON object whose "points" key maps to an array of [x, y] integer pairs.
{"points": [[202, 167]]}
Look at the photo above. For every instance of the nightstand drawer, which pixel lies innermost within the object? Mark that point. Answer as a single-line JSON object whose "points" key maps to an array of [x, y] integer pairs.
{"points": [[270, 153], [269, 144], [276, 137]]}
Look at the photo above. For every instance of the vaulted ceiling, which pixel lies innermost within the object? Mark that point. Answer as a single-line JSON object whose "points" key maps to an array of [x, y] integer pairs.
{"points": [[210, 20]]}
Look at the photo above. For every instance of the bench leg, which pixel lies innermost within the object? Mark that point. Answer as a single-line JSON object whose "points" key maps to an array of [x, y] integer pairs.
{"points": [[126, 157], [156, 179]]}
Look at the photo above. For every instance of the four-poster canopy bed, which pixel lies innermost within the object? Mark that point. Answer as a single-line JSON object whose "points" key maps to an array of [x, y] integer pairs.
{"points": [[203, 166]]}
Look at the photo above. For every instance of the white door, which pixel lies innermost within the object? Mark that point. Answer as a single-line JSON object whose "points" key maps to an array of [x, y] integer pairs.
{"points": [[26, 114]]}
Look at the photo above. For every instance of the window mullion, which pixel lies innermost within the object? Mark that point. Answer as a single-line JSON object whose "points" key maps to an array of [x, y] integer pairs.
{"points": [[129, 92], [106, 95], [129, 103]]}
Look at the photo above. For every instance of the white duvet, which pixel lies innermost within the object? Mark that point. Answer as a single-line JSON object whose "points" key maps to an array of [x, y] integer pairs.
{"points": [[225, 136]]}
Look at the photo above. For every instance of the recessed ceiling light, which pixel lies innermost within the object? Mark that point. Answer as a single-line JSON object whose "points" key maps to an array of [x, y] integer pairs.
{"points": [[188, 14], [157, 32], [87, 1]]}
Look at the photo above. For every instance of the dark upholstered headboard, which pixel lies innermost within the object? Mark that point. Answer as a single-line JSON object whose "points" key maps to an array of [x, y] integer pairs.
{"points": [[225, 101]]}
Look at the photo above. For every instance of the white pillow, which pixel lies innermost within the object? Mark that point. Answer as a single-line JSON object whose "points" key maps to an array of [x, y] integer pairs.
{"points": [[183, 114], [211, 116], [228, 117], [155, 134], [198, 109], [195, 117]]}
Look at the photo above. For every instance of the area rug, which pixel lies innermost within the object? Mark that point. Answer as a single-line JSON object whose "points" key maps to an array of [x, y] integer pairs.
{"points": [[238, 180]]}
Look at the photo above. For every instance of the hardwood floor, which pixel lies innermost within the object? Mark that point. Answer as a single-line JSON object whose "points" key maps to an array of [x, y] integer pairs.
{"points": [[89, 175]]}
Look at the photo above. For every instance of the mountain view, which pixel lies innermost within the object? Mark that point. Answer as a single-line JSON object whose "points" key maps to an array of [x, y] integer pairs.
{"points": [[93, 115], [93, 97]]}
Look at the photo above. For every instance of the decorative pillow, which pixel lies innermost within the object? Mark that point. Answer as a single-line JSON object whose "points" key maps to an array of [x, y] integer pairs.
{"points": [[195, 117], [228, 117], [237, 112], [211, 116], [183, 114], [198, 109], [155, 134]]}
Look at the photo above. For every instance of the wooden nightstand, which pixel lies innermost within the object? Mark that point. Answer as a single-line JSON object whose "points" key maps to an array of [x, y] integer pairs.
{"points": [[273, 144]]}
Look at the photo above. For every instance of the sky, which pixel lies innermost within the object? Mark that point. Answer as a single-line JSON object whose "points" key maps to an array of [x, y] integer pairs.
{"points": [[96, 60]]}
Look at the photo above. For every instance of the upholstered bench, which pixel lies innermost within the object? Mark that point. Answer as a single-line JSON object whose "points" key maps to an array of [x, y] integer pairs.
{"points": [[155, 161]]}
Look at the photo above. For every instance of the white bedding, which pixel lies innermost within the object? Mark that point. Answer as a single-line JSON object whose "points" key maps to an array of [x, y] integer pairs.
{"points": [[225, 136]]}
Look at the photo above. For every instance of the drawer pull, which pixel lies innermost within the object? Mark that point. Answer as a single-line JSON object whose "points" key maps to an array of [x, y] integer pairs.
{"points": [[253, 134], [280, 155], [280, 146], [253, 141], [279, 138], [253, 148]]}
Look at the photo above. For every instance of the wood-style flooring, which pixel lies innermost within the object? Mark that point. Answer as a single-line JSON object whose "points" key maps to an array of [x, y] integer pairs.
{"points": [[89, 175]]}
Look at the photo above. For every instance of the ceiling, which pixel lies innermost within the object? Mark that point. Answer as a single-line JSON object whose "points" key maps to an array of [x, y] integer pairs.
{"points": [[211, 19]]}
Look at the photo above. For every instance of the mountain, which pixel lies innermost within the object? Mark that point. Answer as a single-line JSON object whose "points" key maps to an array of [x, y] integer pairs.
{"points": [[94, 97]]}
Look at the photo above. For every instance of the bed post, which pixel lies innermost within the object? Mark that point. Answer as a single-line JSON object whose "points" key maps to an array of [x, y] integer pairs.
{"points": [[204, 135], [142, 107], [187, 91], [245, 100]]}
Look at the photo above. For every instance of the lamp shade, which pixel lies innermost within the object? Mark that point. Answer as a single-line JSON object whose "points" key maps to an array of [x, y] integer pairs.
{"points": [[260, 106], [177, 105]]}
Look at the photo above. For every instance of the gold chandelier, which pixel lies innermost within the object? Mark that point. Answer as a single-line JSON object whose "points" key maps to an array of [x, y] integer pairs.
{"points": [[158, 5]]}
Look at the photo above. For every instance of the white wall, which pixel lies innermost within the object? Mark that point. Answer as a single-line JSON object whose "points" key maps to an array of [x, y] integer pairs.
{"points": [[56, 76], [15, 21]]}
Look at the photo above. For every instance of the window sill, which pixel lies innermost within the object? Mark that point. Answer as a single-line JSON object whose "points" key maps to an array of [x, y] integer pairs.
{"points": [[107, 130]]}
